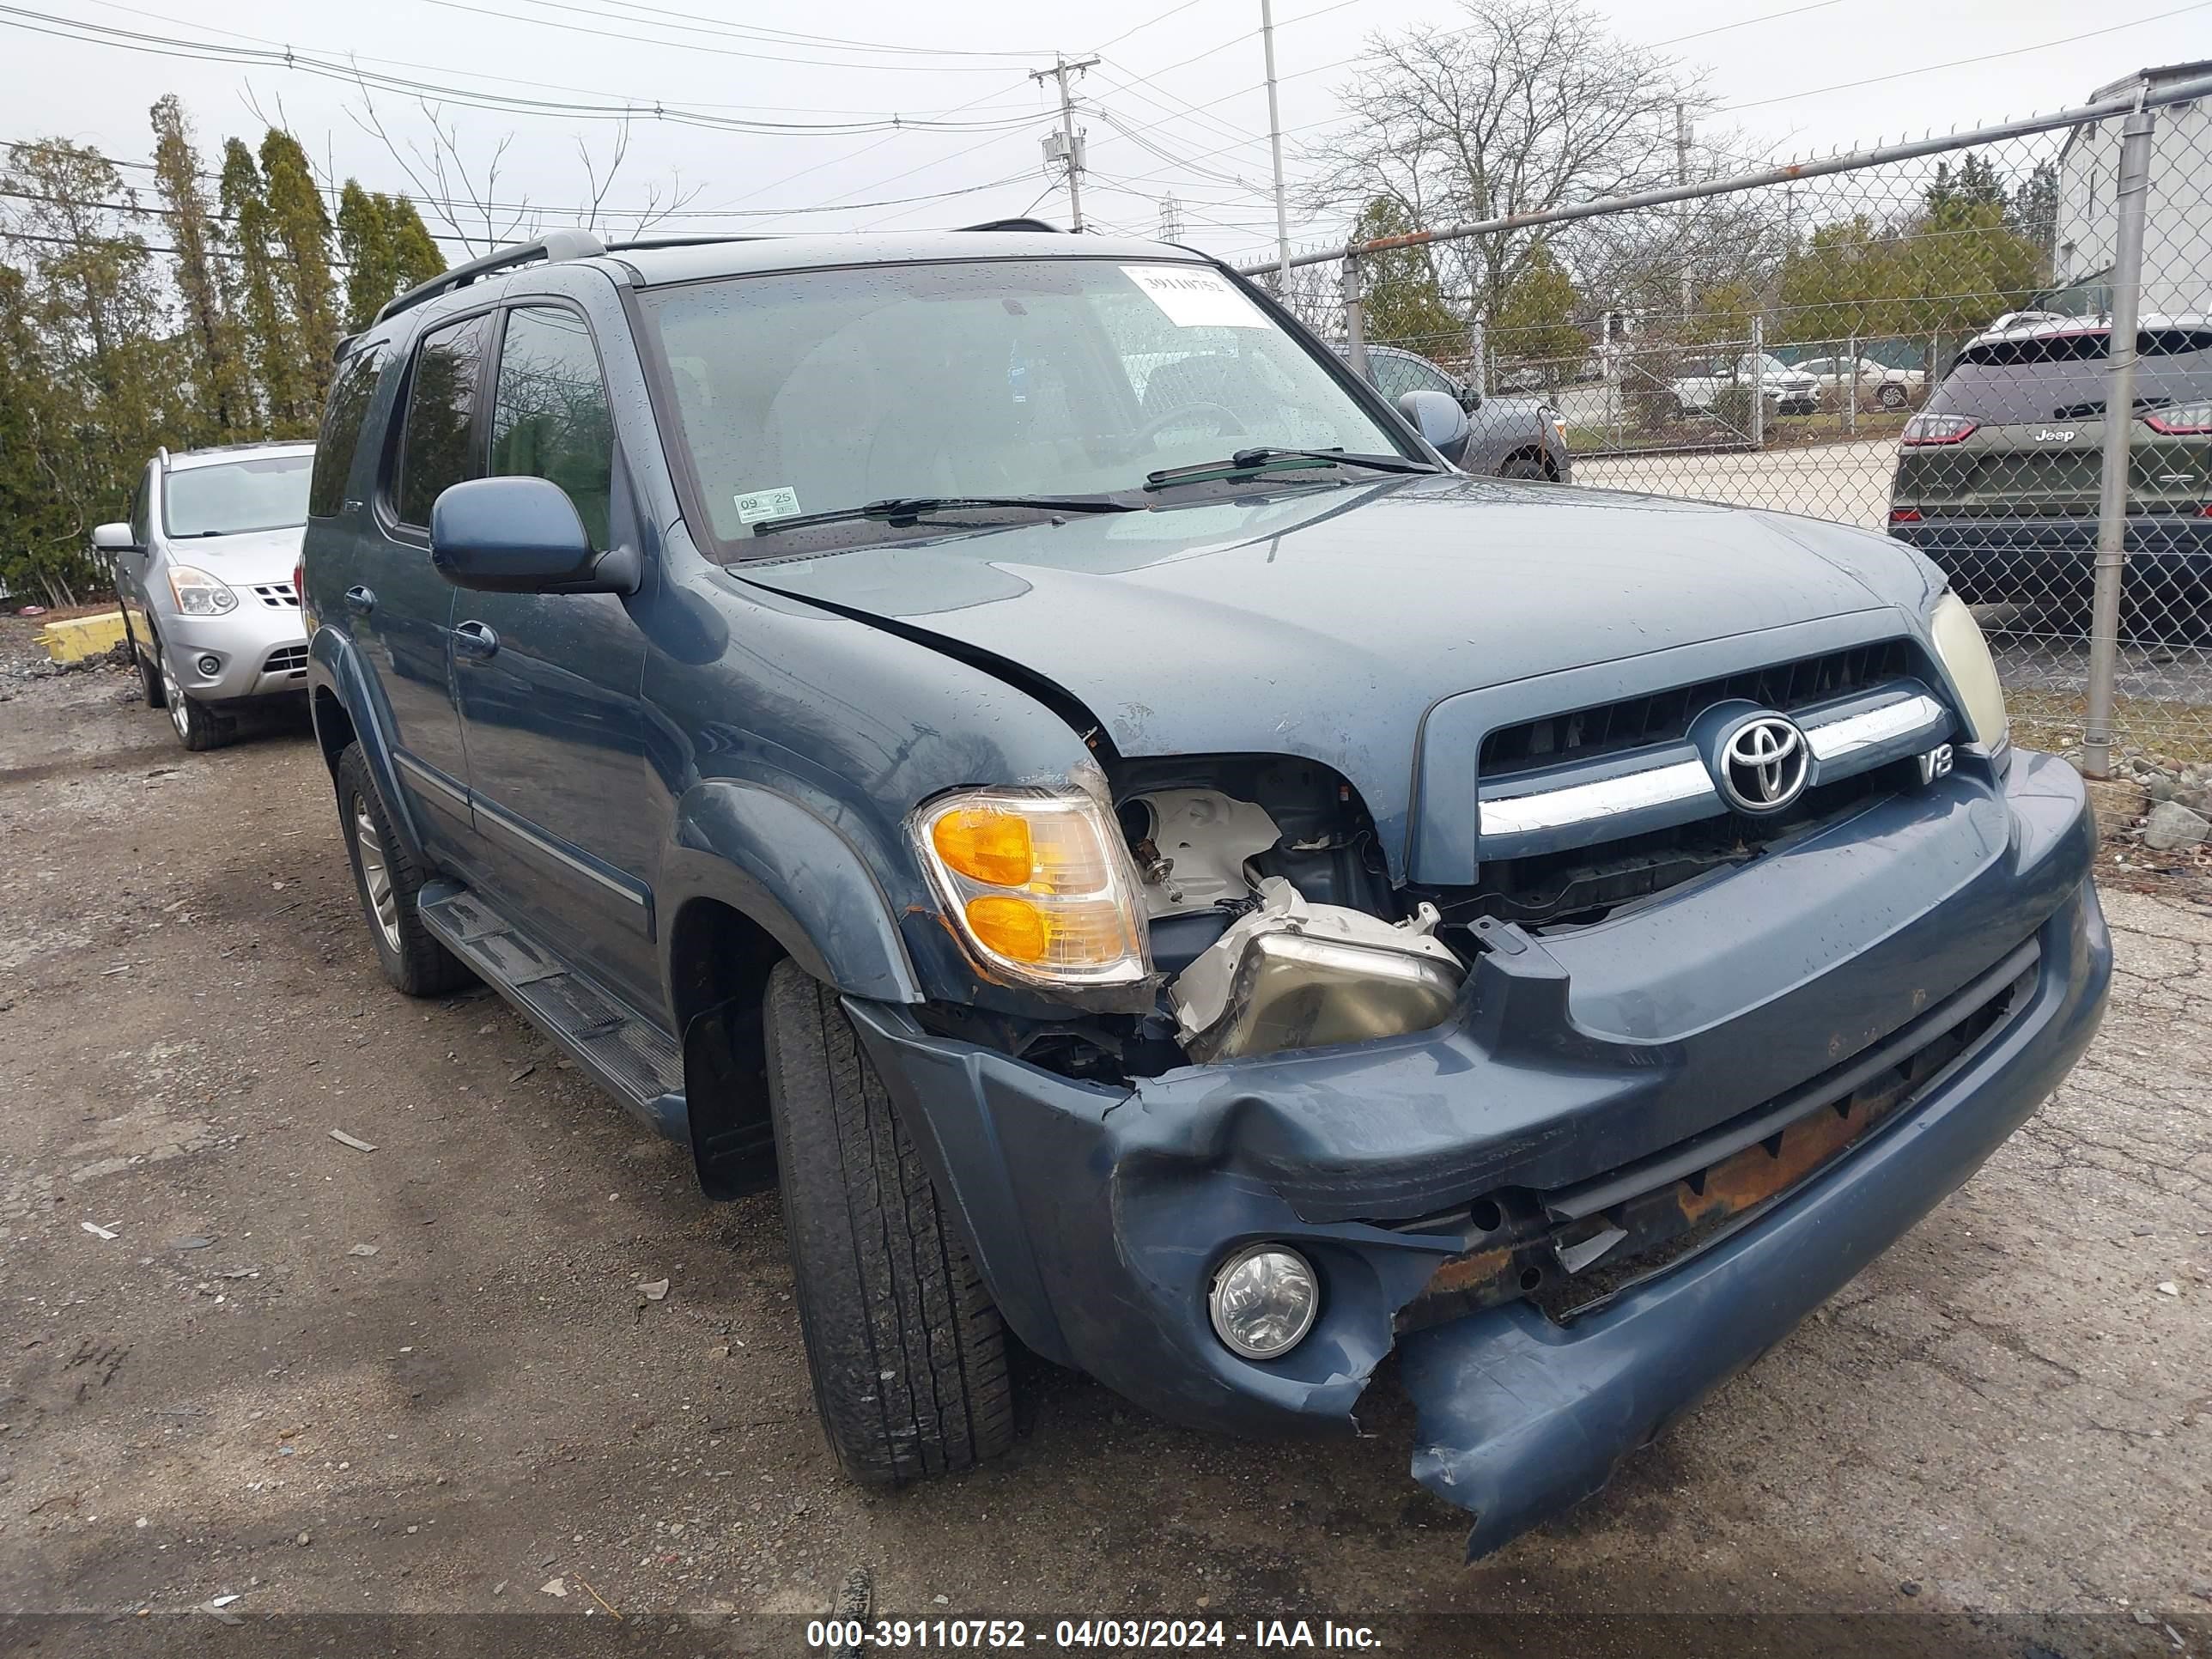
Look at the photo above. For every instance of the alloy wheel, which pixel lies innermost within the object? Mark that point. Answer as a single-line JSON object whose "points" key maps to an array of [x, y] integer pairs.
{"points": [[173, 694], [376, 874]]}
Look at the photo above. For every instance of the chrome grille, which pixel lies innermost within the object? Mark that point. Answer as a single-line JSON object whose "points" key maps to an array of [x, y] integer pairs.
{"points": [[1664, 717]]}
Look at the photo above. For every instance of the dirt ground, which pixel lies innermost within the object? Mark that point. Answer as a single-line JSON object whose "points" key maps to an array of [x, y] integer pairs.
{"points": [[423, 1379]]}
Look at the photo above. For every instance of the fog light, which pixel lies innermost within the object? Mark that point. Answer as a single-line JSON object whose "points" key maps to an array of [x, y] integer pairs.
{"points": [[1264, 1300], [210, 666]]}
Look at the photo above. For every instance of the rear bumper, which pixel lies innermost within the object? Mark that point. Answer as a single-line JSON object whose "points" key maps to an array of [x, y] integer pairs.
{"points": [[1994, 559], [1097, 1213]]}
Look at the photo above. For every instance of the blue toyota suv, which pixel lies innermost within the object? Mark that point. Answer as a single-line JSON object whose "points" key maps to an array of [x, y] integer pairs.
{"points": [[1004, 738]]}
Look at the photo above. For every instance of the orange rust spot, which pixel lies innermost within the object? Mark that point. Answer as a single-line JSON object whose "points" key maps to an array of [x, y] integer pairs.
{"points": [[1467, 1273], [1753, 1175]]}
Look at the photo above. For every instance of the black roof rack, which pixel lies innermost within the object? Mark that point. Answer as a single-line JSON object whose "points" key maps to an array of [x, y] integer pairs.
{"points": [[705, 239], [1015, 224], [553, 247]]}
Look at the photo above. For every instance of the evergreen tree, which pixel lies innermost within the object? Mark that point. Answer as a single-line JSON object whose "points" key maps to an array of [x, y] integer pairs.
{"points": [[383, 240], [215, 352], [271, 341], [1535, 321], [298, 231], [1403, 303]]}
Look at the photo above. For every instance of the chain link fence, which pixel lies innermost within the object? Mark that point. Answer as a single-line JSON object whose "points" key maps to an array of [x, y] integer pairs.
{"points": [[1918, 338]]}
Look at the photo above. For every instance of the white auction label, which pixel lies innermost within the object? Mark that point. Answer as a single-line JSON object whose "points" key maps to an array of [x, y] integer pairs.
{"points": [[1191, 296], [780, 502]]}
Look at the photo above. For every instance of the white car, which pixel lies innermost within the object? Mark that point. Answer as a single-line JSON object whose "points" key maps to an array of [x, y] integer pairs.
{"points": [[1879, 386], [1786, 391]]}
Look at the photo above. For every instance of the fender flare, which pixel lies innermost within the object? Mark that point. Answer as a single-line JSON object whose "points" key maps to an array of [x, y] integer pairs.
{"points": [[796, 875], [334, 665]]}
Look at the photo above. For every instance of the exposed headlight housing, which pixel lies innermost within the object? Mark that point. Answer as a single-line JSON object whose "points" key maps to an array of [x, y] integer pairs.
{"points": [[1037, 883], [1966, 657], [199, 594]]}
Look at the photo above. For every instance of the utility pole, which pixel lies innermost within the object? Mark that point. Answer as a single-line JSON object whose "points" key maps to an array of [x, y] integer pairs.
{"points": [[1682, 177], [1065, 146], [1170, 218], [1275, 142]]}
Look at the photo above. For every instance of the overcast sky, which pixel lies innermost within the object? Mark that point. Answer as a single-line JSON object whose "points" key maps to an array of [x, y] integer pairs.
{"points": [[1185, 78]]}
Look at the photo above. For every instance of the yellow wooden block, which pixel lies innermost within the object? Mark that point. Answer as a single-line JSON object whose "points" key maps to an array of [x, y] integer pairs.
{"points": [[80, 637]]}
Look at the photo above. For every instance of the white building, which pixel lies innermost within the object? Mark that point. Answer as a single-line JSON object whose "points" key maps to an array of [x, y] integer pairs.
{"points": [[2178, 221]]}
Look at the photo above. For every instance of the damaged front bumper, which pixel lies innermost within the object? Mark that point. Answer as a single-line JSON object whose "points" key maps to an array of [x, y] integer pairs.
{"points": [[1727, 1078]]}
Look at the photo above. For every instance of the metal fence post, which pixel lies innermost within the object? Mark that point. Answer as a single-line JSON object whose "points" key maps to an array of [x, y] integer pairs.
{"points": [[1355, 339], [1759, 382], [2119, 432], [1477, 364], [1854, 360]]}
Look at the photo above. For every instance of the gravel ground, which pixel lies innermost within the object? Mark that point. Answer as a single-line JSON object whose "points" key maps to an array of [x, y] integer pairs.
{"points": [[423, 1379]]}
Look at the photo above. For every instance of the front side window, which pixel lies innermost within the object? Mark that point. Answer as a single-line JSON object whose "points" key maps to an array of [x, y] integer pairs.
{"points": [[549, 417], [802, 392], [344, 415], [230, 498], [435, 448], [142, 521]]}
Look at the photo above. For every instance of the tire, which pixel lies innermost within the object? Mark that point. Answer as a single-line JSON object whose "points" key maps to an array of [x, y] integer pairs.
{"points": [[908, 1355], [1890, 395], [1522, 466], [150, 678], [410, 955], [198, 726]]}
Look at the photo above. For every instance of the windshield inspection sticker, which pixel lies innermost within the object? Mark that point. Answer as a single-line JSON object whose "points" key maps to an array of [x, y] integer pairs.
{"points": [[780, 502], [1194, 297]]}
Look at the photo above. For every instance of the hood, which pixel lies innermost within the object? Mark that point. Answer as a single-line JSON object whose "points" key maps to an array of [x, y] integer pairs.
{"points": [[1327, 623], [252, 555]]}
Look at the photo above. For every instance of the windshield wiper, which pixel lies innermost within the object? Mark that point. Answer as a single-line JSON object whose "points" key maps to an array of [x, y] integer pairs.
{"points": [[911, 509], [1267, 455]]}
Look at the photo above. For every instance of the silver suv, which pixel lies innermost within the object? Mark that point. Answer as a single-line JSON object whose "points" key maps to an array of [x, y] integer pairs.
{"points": [[204, 571]]}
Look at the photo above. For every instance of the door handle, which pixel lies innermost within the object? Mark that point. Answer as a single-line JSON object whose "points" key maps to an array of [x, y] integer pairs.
{"points": [[475, 640], [360, 600]]}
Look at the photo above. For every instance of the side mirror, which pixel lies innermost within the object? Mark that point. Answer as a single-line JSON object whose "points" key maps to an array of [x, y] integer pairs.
{"points": [[1440, 419], [1469, 399], [113, 538], [521, 535]]}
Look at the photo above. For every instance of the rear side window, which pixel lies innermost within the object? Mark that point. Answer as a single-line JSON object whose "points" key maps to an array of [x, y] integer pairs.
{"points": [[344, 417], [549, 417], [2061, 377], [436, 443]]}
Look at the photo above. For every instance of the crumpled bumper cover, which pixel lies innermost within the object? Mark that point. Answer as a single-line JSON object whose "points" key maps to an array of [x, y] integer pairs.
{"points": [[1097, 1211], [1520, 1418]]}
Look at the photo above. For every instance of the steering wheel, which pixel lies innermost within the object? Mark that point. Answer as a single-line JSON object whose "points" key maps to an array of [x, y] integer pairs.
{"points": [[1226, 420]]}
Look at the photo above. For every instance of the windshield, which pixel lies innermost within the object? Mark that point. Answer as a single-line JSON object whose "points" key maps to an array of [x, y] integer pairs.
{"points": [[813, 392], [267, 492]]}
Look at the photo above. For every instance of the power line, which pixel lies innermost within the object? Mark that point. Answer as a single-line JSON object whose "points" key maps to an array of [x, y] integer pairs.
{"points": [[287, 58], [691, 19], [1961, 62], [718, 51], [508, 80]]}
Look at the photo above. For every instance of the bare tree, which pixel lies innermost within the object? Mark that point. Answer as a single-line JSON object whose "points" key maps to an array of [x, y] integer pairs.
{"points": [[464, 195], [1528, 105]]}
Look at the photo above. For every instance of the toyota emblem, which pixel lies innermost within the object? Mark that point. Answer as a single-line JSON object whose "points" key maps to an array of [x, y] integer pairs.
{"points": [[1763, 765]]}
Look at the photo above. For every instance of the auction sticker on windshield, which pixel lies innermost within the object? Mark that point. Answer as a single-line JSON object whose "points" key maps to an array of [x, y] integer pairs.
{"points": [[1194, 297], [781, 502]]}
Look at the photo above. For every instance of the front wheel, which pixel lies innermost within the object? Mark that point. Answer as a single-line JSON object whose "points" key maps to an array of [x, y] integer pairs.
{"points": [[907, 1353], [1891, 395], [197, 727]]}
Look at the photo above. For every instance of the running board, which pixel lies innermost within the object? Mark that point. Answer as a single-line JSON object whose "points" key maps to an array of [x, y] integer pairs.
{"points": [[628, 1054]]}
